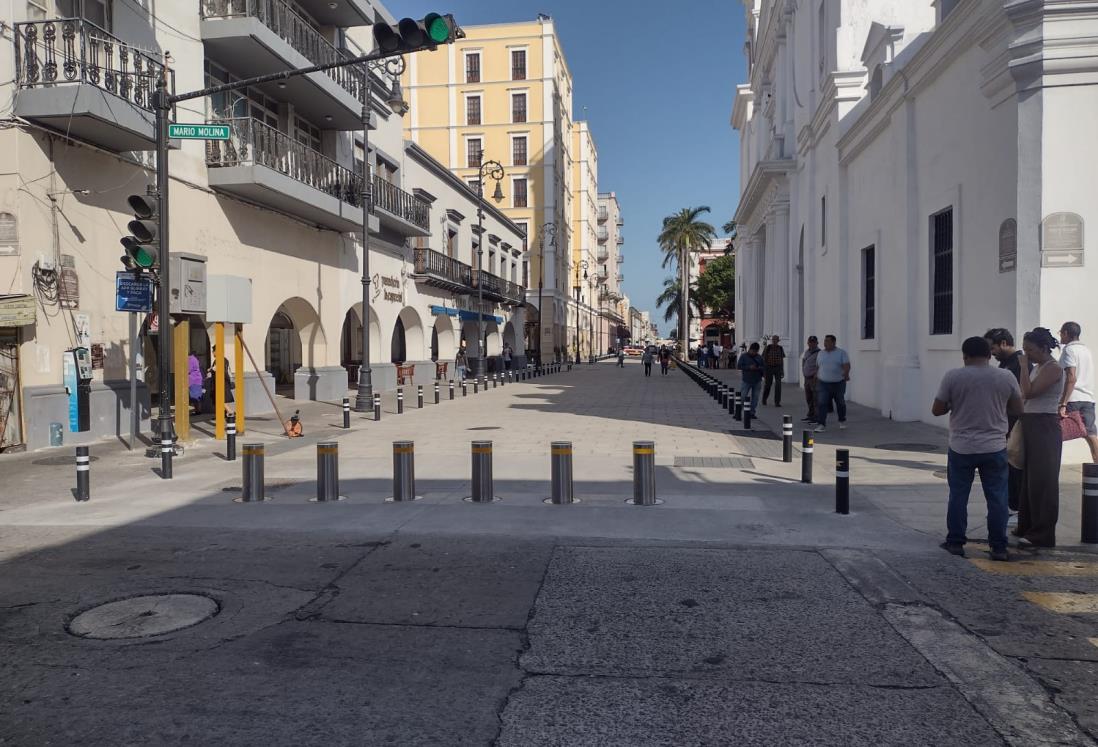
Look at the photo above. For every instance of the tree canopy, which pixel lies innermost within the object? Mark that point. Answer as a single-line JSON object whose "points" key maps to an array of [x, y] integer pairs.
{"points": [[716, 287]]}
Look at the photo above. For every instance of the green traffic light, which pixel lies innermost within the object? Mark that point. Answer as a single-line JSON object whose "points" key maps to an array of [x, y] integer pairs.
{"points": [[143, 258], [438, 28]]}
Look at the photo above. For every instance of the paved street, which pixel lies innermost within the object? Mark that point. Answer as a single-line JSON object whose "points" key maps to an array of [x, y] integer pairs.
{"points": [[742, 610]]}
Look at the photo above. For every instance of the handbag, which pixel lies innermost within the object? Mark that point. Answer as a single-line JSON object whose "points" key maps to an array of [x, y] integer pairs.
{"points": [[1072, 427], [1016, 450]]}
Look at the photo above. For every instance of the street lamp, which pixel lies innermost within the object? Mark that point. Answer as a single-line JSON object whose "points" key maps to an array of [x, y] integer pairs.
{"points": [[494, 170], [393, 67], [583, 265], [548, 231]]}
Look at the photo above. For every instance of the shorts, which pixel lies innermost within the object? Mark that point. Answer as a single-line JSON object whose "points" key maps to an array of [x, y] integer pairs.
{"points": [[1086, 409]]}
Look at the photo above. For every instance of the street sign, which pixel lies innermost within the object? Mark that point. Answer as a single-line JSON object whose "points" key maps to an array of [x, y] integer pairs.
{"points": [[132, 292], [1061, 258], [198, 132]]}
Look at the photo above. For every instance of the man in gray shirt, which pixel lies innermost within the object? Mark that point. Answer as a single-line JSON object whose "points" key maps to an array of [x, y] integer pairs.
{"points": [[977, 398]]}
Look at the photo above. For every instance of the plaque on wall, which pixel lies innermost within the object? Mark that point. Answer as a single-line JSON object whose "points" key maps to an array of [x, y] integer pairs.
{"points": [[68, 289], [1008, 245], [1062, 231]]}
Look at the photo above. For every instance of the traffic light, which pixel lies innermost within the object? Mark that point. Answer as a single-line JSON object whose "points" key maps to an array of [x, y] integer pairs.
{"points": [[142, 245], [411, 35]]}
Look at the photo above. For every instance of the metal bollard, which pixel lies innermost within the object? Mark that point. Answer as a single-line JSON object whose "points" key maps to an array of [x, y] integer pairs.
{"points": [[787, 438], [732, 402], [725, 394], [808, 444], [327, 471], [644, 473], [451, 390], [464, 389], [483, 487], [747, 415], [436, 392], [419, 395], [230, 440], [739, 406], [167, 449], [377, 407], [503, 378], [253, 474], [842, 481], [404, 471], [83, 474], [495, 381], [346, 412], [1090, 504], [560, 468], [476, 386], [400, 400]]}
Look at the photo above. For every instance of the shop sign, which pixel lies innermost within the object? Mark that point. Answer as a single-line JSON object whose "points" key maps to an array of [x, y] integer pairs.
{"points": [[17, 311]]}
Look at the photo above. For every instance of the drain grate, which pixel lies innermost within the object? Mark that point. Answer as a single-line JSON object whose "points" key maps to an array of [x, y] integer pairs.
{"points": [[143, 616], [717, 462], [919, 448], [58, 461]]}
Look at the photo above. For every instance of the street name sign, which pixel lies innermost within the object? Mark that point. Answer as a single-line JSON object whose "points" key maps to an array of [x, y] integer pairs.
{"points": [[132, 292], [198, 132]]}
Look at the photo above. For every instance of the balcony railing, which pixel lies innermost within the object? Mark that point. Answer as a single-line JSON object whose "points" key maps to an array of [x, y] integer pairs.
{"points": [[72, 50], [254, 143], [621, 239], [603, 254], [500, 289], [621, 258], [394, 200], [604, 214], [603, 234], [444, 271], [288, 25]]}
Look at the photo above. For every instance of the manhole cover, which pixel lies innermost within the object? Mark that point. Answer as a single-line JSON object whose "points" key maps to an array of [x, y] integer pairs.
{"points": [[485, 428], [56, 461], [718, 462], [908, 447], [141, 617]]}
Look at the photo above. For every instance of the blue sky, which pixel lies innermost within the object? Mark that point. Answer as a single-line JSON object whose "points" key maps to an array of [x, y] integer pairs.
{"points": [[658, 110]]}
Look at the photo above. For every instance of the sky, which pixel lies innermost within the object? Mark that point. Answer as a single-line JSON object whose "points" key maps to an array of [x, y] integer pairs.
{"points": [[658, 98]]}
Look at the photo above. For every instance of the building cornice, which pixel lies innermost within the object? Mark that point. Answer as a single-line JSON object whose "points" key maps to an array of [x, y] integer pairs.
{"points": [[764, 175], [840, 87], [1048, 49], [741, 106]]}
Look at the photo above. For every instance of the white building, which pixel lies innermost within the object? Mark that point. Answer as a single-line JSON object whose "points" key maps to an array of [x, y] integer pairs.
{"points": [[609, 259], [913, 174], [278, 204]]}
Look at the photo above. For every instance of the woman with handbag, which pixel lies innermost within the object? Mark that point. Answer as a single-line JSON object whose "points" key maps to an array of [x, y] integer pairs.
{"points": [[1041, 437]]}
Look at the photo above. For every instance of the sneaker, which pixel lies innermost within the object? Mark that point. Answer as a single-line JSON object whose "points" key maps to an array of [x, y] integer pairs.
{"points": [[821, 428], [953, 548], [1013, 520], [1000, 556], [842, 426], [1025, 544]]}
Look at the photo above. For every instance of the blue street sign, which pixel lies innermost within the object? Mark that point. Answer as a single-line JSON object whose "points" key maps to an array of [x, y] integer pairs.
{"points": [[133, 292]]}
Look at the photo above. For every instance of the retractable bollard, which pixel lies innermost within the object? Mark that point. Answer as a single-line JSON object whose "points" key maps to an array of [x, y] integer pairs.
{"points": [[842, 481], [346, 412], [464, 389], [732, 402], [436, 393], [808, 444], [83, 474], [560, 467], [739, 406], [476, 386], [747, 415], [253, 474], [787, 438], [725, 394], [483, 485], [327, 471], [1090, 504], [230, 440], [400, 401], [404, 471], [377, 406], [644, 473], [167, 450], [419, 396], [451, 390]]}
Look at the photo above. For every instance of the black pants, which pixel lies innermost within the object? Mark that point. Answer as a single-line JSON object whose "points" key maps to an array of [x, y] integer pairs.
{"points": [[773, 376], [1039, 502], [648, 368]]}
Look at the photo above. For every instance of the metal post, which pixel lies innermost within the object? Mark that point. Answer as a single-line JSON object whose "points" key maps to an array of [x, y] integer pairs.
{"points": [[731, 402], [346, 412], [83, 474], [436, 392], [464, 388], [451, 390], [167, 448], [483, 487], [135, 407], [230, 441], [404, 471], [1090, 504], [253, 474], [739, 406], [164, 312], [842, 481], [644, 473], [787, 438], [476, 386], [419, 395], [747, 415], [327, 471], [377, 407], [560, 468], [808, 444], [400, 400], [365, 374]]}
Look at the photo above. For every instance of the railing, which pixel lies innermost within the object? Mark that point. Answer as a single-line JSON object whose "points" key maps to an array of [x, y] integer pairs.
{"points": [[503, 289], [430, 262], [621, 239], [603, 233], [394, 200], [72, 50], [254, 143], [284, 21], [603, 254], [604, 214]]}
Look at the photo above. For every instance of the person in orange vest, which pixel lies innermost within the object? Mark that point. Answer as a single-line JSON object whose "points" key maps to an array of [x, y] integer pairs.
{"points": [[293, 428]]}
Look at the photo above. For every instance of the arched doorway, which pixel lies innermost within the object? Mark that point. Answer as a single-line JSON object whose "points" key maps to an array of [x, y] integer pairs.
{"points": [[443, 339], [295, 349], [399, 347], [282, 350]]}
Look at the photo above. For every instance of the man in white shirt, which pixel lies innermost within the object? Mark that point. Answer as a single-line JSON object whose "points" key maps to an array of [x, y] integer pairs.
{"points": [[1078, 395], [718, 350]]}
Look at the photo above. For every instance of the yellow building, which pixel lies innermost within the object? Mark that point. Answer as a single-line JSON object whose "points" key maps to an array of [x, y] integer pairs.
{"points": [[504, 93]]}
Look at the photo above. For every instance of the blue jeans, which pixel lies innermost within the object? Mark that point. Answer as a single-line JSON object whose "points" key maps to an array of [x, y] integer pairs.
{"points": [[961, 470], [825, 393], [753, 389]]}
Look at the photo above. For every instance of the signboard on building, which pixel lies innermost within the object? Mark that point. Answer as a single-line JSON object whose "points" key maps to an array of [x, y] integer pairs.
{"points": [[1062, 240], [17, 311], [132, 292], [1008, 245]]}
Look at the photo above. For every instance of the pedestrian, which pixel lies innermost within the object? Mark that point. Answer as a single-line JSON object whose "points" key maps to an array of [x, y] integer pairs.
{"points": [[774, 357], [1039, 502], [461, 362], [751, 367], [718, 351], [978, 399], [647, 360], [621, 357], [194, 383], [665, 360], [1002, 348], [216, 382], [832, 374], [809, 367], [1078, 394], [508, 354]]}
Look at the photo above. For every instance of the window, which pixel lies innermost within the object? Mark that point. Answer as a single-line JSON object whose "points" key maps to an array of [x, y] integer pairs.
{"points": [[822, 39], [307, 133], [941, 255], [475, 152], [96, 11], [472, 67], [518, 108], [518, 151], [519, 193], [823, 220], [474, 184], [518, 64], [451, 242], [869, 293], [36, 10], [472, 110]]}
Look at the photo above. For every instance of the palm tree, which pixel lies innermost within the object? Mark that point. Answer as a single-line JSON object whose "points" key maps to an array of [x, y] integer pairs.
{"points": [[684, 234], [670, 300]]}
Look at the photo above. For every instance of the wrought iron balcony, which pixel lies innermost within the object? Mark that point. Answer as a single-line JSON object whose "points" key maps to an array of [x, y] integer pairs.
{"points": [[604, 214], [603, 234], [498, 289], [400, 210], [621, 239], [435, 268], [603, 254], [62, 66], [621, 258]]}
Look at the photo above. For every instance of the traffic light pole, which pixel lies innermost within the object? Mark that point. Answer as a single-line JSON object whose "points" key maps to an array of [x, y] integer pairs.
{"points": [[164, 314]]}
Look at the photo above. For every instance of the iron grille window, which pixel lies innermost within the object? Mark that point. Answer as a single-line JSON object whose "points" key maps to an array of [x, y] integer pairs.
{"points": [[472, 68], [941, 321], [869, 293], [518, 107], [518, 64], [472, 110], [475, 152], [520, 193], [518, 155]]}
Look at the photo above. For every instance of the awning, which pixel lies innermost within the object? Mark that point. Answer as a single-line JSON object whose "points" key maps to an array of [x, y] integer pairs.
{"points": [[17, 311]]}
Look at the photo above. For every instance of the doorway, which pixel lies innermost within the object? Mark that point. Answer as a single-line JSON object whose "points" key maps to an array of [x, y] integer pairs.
{"points": [[11, 416]]}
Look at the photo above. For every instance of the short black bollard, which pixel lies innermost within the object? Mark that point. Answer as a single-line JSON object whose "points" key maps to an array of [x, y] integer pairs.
{"points": [[464, 389], [483, 486], [739, 406], [644, 473], [747, 415], [419, 396], [167, 449], [327, 472], [404, 471], [808, 443], [230, 440], [1090, 504], [787, 438], [732, 402], [400, 400], [83, 474], [560, 467], [495, 381], [436, 392], [346, 412], [451, 390], [842, 481], [253, 474], [377, 407], [476, 386]]}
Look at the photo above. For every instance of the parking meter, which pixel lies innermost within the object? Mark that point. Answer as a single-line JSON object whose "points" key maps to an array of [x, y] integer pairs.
{"points": [[78, 386]]}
